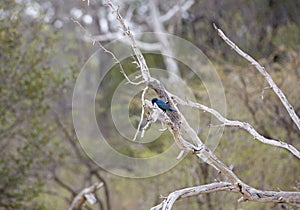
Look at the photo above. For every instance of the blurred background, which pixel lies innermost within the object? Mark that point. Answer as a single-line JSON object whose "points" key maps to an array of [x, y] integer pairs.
{"points": [[42, 51]]}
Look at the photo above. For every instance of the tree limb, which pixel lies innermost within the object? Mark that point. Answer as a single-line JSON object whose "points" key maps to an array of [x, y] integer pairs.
{"points": [[111, 54], [166, 17], [178, 121], [235, 123], [267, 76], [159, 32], [142, 113], [85, 194], [254, 195], [141, 60]]}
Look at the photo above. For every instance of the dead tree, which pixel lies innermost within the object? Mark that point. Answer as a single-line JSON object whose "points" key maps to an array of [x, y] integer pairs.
{"points": [[176, 123]]}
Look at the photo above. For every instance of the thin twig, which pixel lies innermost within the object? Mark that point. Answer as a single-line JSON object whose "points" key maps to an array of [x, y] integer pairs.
{"points": [[263, 92], [108, 52], [141, 60]]}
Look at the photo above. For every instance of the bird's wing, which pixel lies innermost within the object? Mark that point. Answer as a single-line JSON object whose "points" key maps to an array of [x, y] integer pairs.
{"points": [[163, 105]]}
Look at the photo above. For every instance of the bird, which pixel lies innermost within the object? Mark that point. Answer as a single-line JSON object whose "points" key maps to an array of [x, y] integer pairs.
{"points": [[162, 105]]}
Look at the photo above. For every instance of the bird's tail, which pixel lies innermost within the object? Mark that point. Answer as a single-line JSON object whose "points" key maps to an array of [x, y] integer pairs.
{"points": [[172, 110]]}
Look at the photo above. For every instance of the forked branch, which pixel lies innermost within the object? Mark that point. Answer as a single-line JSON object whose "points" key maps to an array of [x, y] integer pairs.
{"points": [[235, 123], [255, 195], [177, 122]]}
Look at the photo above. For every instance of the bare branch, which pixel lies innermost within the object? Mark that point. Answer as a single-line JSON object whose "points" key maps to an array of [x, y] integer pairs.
{"points": [[111, 54], [85, 194], [175, 9], [159, 206], [151, 117], [159, 30], [267, 76], [243, 125], [254, 194], [113, 36], [174, 121], [142, 113], [142, 63], [168, 202], [106, 37], [148, 46]]}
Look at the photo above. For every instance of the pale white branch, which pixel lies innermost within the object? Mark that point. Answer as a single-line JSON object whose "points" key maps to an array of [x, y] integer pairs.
{"points": [[151, 117], [252, 195], [106, 37], [148, 46], [142, 113], [145, 128], [110, 53], [180, 155], [142, 63], [175, 9], [174, 120], [168, 202], [113, 36], [267, 76], [235, 123], [159, 206], [85, 194], [159, 30]]}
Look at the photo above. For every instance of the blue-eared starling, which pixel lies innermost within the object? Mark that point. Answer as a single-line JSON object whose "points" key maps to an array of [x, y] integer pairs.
{"points": [[162, 105]]}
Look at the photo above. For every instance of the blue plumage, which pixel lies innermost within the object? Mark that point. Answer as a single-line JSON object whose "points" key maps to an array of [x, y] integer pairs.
{"points": [[162, 105]]}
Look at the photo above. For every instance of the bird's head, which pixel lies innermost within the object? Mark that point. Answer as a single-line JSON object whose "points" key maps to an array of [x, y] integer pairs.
{"points": [[154, 100]]}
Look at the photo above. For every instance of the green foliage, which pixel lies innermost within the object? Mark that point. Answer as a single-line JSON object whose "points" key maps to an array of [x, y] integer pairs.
{"points": [[27, 85]]}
